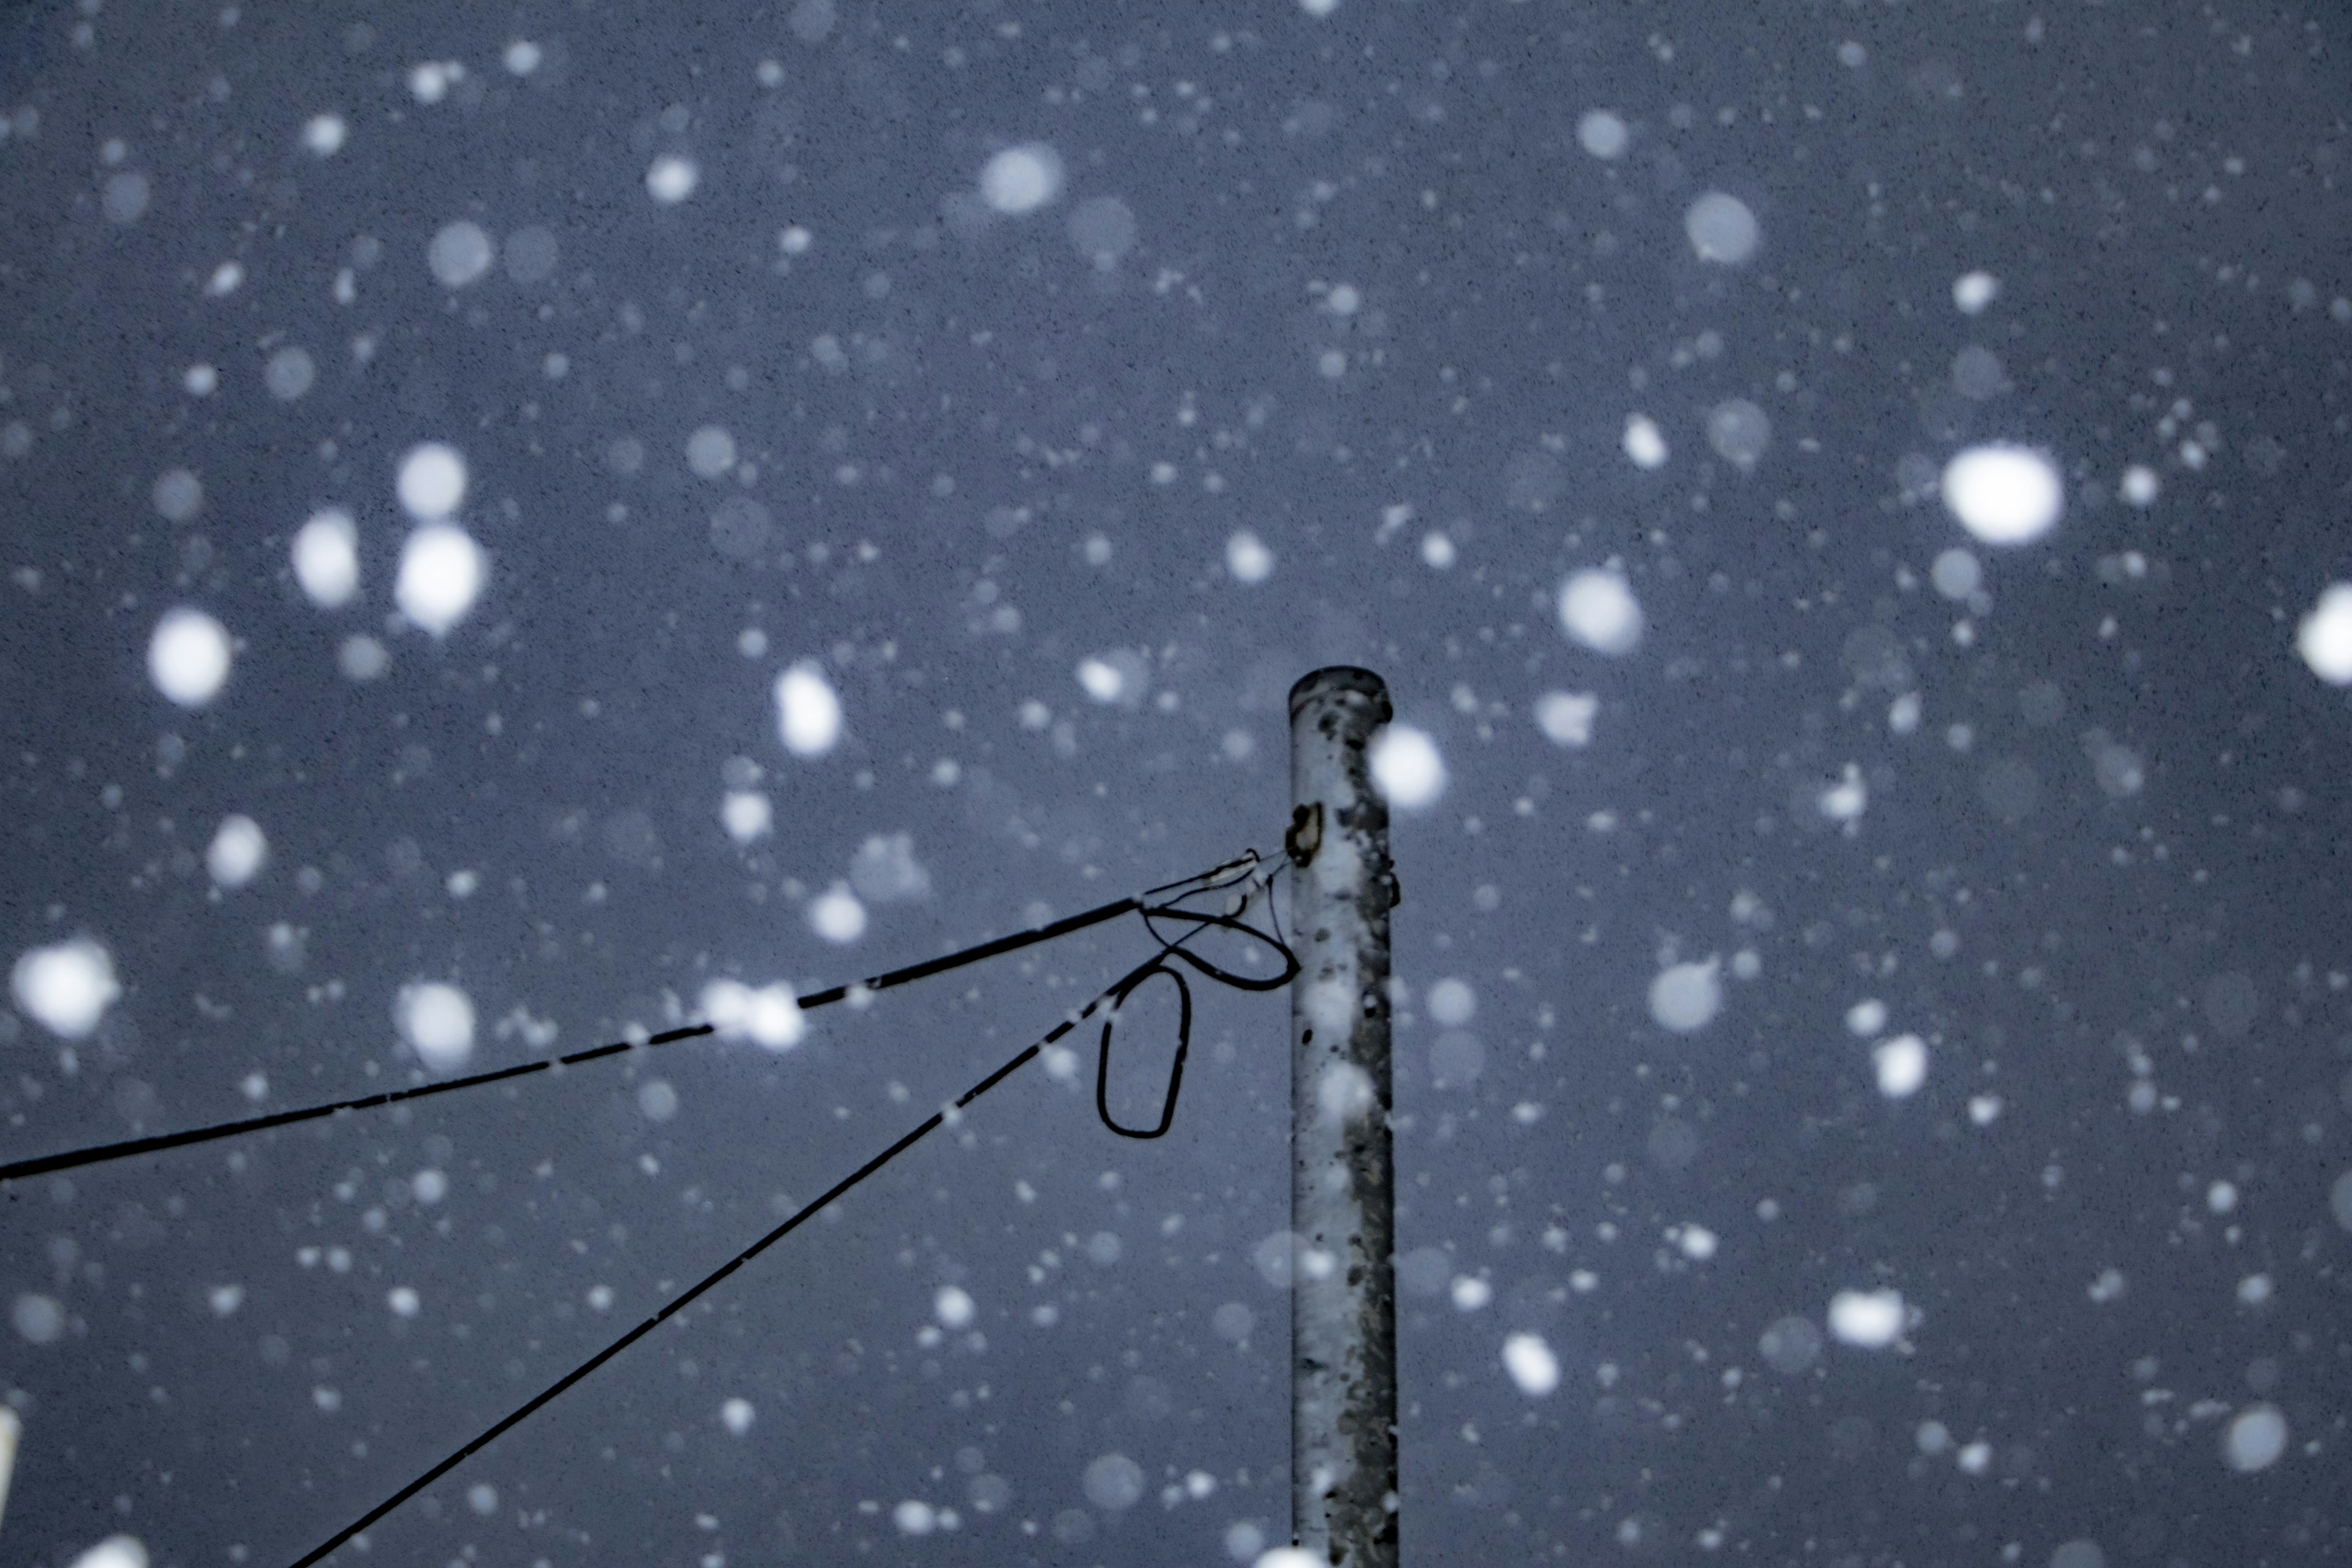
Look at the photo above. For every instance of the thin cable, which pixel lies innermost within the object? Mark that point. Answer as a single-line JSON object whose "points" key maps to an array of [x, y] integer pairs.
{"points": [[1115, 993], [1216, 878]]}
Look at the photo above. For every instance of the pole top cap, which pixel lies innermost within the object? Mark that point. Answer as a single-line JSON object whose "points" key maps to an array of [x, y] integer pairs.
{"points": [[1338, 681]]}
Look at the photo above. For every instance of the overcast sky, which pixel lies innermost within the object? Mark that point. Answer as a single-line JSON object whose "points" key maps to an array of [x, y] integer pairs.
{"points": [[532, 526]]}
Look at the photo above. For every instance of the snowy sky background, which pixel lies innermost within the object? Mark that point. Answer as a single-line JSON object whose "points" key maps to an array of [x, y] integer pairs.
{"points": [[523, 529]]}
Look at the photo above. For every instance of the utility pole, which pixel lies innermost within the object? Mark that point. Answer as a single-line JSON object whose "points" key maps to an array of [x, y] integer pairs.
{"points": [[1343, 1379]]}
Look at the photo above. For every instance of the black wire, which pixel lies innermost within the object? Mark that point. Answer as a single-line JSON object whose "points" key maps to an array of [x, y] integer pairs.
{"points": [[1115, 993], [1216, 879]]}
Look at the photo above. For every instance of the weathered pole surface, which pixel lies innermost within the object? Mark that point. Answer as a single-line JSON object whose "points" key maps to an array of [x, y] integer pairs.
{"points": [[1343, 1382]]}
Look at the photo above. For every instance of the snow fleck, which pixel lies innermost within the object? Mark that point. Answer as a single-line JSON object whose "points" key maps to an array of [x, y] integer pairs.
{"points": [[1531, 1364], [1330, 1004], [671, 178], [437, 1022], [1956, 574], [460, 254], [1101, 680], [1247, 558], [238, 852], [2004, 494], [362, 657], [1847, 799], [179, 495], [2325, 637], [915, 1518], [767, 1016], [225, 1299], [1685, 997], [736, 1416], [1973, 291], [1406, 767], [1603, 134], [953, 1307], [747, 814], [2139, 486], [1721, 229], [441, 574], [710, 451], [885, 870], [1103, 229], [404, 1301], [1451, 1003], [1113, 1482], [1566, 717], [1469, 1293], [522, 57], [1345, 1093], [324, 134], [39, 1319], [1281, 1556], [1020, 180], [1902, 1065], [1644, 443], [657, 1101], [1868, 1319], [1790, 1346], [290, 373], [188, 656], [429, 82], [837, 915], [808, 710], [114, 1552], [1277, 1258], [326, 559], [1866, 1017], [125, 197], [1598, 609], [1739, 432], [432, 480], [2254, 1438], [67, 987]]}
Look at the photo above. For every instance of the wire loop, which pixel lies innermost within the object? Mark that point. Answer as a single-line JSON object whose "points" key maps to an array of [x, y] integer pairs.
{"points": [[1135, 982], [1251, 878], [1246, 872]]}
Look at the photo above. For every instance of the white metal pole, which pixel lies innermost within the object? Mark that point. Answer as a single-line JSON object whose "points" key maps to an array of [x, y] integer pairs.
{"points": [[1343, 1382]]}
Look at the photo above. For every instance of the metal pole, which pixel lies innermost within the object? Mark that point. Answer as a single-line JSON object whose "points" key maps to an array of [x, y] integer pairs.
{"points": [[1343, 1381]]}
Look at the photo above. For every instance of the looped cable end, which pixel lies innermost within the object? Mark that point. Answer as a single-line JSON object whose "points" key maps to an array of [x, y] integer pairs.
{"points": [[1254, 881], [1120, 995]]}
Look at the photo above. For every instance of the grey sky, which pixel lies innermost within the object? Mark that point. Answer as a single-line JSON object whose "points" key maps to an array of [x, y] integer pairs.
{"points": [[1872, 1066]]}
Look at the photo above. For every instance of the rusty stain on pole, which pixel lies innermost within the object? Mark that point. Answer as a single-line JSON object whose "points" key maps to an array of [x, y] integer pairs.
{"points": [[1343, 1383]]}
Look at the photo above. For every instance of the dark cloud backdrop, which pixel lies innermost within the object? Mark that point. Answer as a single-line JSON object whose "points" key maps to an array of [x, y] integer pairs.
{"points": [[1368, 290]]}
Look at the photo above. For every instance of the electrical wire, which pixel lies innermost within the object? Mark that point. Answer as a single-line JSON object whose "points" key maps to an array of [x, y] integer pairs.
{"points": [[1253, 878], [1215, 878]]}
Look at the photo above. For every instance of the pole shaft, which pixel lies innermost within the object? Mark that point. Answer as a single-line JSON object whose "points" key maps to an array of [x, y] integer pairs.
{"points": [[1342, 1169]]}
